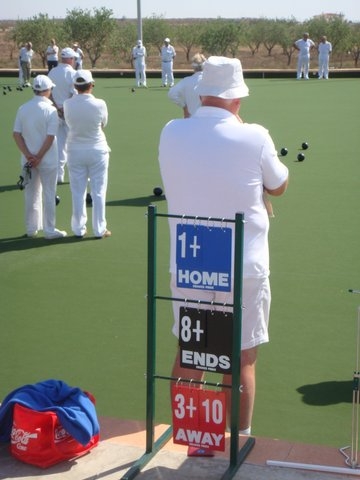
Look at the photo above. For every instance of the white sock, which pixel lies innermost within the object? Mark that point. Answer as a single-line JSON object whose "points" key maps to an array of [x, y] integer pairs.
{"points": [[246, 431]]}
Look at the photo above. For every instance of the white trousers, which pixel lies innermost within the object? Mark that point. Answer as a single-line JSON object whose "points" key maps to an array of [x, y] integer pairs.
{"points": [[61, 141], [40, 200], [303, 66], [140, 73], [92, 165], [167, 75], [323, 66]]}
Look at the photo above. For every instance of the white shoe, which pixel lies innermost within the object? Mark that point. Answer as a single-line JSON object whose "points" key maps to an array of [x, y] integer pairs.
{"points": [[32, 234], [56, 234]]}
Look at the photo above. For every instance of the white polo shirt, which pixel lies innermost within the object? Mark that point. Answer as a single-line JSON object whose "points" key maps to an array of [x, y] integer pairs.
{"points": [[212, 165], [52, 53], [36, 119], [183, 93], [26, 55], [324, 49], [63, 78], [167, 53], [86, 116], [304, 46], [139, 54]]}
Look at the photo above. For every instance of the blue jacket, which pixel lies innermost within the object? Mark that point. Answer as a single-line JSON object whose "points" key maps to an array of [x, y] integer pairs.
{"points": [[74, 409]]}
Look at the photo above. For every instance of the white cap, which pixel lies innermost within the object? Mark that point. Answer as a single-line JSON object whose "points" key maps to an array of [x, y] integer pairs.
{"points": [[222, 77], [83, 77], [42, 83], [167, 40], [68, 53], [139, 42]]}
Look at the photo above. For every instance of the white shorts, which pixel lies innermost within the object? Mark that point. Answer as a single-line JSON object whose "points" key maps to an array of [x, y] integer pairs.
{"points": [[255, 313]]}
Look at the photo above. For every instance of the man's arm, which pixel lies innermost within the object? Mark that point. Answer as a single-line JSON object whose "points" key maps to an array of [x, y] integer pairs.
{"points": [[278, 191], [20, 142], [33, 159]]}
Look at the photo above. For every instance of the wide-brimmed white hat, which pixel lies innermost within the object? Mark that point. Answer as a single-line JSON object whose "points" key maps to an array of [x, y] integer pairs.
{"points": [[83, 77], [222, 77], [42, 83], [167, 40]]}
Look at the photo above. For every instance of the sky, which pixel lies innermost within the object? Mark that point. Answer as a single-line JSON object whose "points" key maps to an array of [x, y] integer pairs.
{"points": [[300, 10]]}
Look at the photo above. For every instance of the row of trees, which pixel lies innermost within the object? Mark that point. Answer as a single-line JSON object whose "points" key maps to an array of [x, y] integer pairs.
{"points": [[100, 34]]}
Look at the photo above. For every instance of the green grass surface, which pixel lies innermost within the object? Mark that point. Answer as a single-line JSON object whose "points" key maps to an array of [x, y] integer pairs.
{"points": [[76, 310]]}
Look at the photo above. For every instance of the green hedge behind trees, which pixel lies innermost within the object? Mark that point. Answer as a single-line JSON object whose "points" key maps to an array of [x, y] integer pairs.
{"points": [[102, 37]]}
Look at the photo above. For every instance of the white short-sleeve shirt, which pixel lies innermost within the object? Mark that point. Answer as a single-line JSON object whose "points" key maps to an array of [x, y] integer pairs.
{"points": [[304, 46], [52, 53], [184, 94], [36, 119], [63, 78], [167, 53], [324, 49], [139, 54], [212, 165], [86, 116]]}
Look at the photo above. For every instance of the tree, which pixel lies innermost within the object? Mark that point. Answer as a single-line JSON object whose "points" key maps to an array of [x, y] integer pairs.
{"points": [[219, 35], [155, 29], [37, 30], [122, 41], [290, 33], [334, 27], [92, 30], [354, 43], [272, 31], [187, 35], [253, 35]]}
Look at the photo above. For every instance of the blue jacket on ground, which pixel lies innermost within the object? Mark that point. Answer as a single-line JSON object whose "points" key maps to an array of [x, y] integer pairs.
{"points": [[74, 409]]}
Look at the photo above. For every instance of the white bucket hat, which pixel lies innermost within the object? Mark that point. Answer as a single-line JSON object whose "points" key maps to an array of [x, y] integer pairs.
{"points": [[222, 77], [42, 83]]}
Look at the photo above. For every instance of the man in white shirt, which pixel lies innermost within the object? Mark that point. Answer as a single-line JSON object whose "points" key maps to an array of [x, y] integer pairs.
{"points": [[63, 78], [52, 55], [324, 49], [213, 165], [79, 56], [304, 46], [25, 57], [139, 55], [35, 132], [167, 60], [88, 155], [184, 92]]}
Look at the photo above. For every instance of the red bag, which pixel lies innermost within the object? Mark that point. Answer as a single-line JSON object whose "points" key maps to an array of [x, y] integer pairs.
{"points": [[39, 439]]}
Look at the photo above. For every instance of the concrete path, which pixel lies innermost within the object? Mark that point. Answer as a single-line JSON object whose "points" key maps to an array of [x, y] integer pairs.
{"points": [[123, 443]]}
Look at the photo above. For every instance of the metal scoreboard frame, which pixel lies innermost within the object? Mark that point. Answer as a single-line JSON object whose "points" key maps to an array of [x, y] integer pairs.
{"points": [[237, 456]]}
